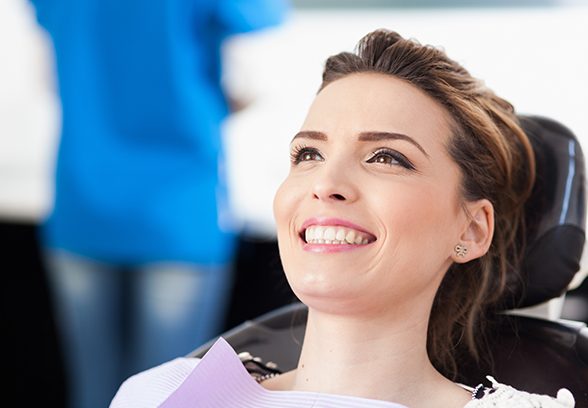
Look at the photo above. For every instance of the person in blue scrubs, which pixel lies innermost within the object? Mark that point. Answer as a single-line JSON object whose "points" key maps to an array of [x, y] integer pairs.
{"points": [[139, 242]]}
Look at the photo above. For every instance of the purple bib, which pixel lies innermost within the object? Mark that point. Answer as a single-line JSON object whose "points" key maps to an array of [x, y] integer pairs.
{"points": [[220, 380]]}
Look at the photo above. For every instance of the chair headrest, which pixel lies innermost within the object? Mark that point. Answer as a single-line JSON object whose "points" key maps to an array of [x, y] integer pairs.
{"points": [[555, 213]]}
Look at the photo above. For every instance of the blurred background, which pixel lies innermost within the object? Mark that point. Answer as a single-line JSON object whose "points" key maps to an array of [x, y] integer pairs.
{"points": [[533, 53]]}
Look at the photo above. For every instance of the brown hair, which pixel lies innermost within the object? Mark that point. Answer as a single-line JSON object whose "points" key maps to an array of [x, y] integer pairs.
{"points": [[496, 162]]}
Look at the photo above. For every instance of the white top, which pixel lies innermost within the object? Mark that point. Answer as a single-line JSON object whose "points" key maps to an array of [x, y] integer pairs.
{"points": [[221, 380]]}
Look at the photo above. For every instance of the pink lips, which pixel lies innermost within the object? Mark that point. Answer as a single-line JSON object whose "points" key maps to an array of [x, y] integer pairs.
{"points": [[329, 248]]}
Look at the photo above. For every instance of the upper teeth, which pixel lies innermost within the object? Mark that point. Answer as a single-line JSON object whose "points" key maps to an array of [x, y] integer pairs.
{"points": [[334, 235]]}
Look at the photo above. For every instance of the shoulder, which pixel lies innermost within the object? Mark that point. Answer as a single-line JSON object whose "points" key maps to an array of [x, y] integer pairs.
{"points": [[151, 387], [502, 395]]}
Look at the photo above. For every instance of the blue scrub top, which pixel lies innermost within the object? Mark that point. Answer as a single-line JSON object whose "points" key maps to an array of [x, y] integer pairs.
{"points": [[137, 176]]}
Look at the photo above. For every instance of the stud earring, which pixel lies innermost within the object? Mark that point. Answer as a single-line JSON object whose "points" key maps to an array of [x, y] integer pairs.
{"points": [[461, 250]]}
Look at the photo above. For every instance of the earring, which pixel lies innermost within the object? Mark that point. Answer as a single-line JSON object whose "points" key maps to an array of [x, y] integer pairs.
{"points": [[461, 250]]}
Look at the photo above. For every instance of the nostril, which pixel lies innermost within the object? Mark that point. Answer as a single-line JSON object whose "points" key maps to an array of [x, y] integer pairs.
{"points": [[338, 197]]}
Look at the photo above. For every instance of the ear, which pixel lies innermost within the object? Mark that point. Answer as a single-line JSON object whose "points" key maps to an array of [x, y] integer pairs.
{"points": [[477, 233]]}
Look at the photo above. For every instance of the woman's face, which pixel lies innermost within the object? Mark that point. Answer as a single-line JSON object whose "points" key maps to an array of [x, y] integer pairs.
{"points": [[370, 211]]}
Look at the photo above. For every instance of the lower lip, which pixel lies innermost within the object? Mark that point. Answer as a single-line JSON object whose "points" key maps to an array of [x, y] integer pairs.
{"points": [[330, 248]]}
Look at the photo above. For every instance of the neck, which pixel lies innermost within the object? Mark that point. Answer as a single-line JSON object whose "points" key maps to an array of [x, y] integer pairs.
{"points": [[382, 357]]}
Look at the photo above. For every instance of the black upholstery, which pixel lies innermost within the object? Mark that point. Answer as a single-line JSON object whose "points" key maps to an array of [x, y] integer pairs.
{"points": [[555, 214], [541, 356], [534, 355]]}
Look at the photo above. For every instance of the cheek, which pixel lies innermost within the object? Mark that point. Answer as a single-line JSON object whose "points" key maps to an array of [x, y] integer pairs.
{"points": [[413, 211], [419, 230], [286, 205], [286, 201]]}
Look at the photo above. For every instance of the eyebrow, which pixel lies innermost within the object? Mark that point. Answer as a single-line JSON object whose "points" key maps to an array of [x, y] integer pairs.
{"points": [[363, 137], [310, 134]]}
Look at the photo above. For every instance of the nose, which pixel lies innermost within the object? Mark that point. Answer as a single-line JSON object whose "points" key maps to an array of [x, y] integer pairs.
{"points": [[334, 185]]}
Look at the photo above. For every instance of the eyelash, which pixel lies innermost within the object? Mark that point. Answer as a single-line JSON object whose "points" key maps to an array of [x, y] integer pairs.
{"points": [[392, 154], [298, 153]]}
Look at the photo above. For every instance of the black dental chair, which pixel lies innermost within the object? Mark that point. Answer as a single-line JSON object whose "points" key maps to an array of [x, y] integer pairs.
{"points": [[532, 354]]}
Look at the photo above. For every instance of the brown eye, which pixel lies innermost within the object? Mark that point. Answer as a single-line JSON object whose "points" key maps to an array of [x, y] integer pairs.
{"points": [[303, 154], [385, 159], [391, 158], [307, 156]]}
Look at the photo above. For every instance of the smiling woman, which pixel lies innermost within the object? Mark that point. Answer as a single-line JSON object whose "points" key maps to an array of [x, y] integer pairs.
{"points": [[399, 226], [389, 190]]}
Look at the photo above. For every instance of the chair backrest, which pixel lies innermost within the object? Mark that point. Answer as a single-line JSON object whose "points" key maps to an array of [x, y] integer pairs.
{"points": [[555, 213], [532, 354]]}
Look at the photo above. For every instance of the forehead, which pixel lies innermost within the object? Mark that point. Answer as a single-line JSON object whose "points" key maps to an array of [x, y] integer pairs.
{"points": [[377, 102]]}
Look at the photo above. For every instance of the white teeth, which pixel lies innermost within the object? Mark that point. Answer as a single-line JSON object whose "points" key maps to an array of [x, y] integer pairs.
{"points": [[335, 235], [308, 235], [319, 232], [350, 237], [330, 233]]}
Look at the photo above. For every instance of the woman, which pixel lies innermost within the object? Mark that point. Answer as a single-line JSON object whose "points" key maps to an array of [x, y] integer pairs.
{"points": [[399, 226]]}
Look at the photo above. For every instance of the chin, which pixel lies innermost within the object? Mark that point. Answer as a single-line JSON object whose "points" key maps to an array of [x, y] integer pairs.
{"points": [[325, 294], [342, 306]]}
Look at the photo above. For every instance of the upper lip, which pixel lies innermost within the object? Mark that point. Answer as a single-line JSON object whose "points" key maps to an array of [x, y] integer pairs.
{"points": [[331, 221]]}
